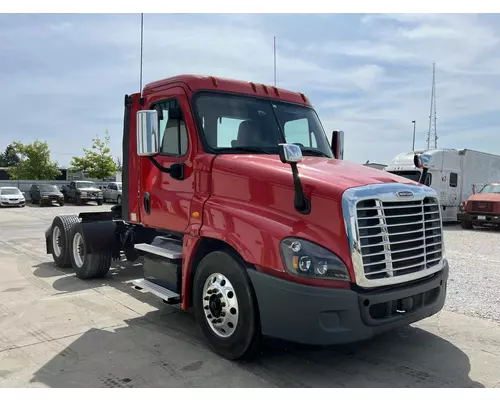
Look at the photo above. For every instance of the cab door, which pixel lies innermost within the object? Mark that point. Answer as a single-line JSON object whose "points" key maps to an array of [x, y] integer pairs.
{"points": [[166, 197]]}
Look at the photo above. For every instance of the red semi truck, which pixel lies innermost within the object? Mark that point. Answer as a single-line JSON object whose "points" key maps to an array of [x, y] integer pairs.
{"points": [[245, 214]]}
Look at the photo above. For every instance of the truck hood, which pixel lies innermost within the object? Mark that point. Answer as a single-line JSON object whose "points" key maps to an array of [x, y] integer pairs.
{"points": [[493, 197], [323, 176]]}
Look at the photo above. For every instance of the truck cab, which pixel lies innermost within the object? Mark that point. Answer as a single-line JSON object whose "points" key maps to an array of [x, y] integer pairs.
{"points": [[444, 176], [245, 213], [482, 208]]}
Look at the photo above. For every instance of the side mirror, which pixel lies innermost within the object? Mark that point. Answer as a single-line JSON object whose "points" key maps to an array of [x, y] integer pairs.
{"points": [[422, 160], [338, 144], [148, 133], [289, 153]]}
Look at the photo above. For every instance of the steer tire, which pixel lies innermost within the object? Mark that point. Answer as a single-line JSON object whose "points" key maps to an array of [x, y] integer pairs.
{"points": [[95, 265], [64, 223], [466, 225], [245, 341]]}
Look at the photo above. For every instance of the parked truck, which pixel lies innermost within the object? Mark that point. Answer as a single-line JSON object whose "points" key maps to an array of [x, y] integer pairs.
{"points": [[81, 192], [244, 214], [455, 174]]}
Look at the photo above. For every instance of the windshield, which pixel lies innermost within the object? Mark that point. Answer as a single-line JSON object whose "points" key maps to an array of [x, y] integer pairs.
{"points": [[491, 189], [232, 123], [413, 175], [48, 188], [81, 185], [8, 191]]}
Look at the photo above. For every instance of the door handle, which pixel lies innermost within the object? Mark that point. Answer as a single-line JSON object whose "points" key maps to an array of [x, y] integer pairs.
{"points": [[147, 203]]}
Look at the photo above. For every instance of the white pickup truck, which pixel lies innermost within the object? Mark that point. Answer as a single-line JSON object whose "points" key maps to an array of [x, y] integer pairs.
{"points": [[113, 193]]}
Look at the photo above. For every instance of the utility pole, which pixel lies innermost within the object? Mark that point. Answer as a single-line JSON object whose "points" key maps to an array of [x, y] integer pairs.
{"points": [[432, 134], [414, 124]]}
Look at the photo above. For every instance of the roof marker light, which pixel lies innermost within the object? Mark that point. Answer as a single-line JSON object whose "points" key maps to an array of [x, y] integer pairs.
{"points": [[253, 87], [303, 97], [214, 81], [276, 90], [265, 89]]}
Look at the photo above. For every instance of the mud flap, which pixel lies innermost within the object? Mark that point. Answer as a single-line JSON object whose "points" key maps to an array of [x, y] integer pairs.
{"points": [[101, 236]]}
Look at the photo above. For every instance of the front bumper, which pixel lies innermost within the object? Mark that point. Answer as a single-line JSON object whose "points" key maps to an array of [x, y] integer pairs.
{"points": [[4, 203], [327, 316], [479, 219]]}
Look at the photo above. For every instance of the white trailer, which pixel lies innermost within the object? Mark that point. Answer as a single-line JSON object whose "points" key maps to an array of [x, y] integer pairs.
{"points": [[455, 174]]}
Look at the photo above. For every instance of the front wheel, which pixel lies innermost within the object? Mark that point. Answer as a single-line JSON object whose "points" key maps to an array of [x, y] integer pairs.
{"points": [[225, 306], [99, 202], [119, 200], [466, 225], [85, 264]]}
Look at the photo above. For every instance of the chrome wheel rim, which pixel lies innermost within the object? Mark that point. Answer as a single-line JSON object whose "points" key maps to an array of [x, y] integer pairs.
{"points": [[220, 305], [56, 241], [78, 249]]}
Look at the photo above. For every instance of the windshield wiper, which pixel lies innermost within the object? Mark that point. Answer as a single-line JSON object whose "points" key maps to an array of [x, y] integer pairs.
{"points": [[314, 152], [251, 149]]}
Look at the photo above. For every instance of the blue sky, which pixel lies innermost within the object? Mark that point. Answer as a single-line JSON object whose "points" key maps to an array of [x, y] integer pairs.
{"points": [[63, 76]]}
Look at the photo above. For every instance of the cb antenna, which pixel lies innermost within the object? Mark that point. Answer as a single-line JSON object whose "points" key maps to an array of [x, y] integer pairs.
{"points": [[274, 61], [142, 42]]}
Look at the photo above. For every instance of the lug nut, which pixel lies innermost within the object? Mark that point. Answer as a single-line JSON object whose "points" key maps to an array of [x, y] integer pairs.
{"points": [[223, 304], [219, 295], [209, 316], [209, 291], [206, 298], [206, 307]]}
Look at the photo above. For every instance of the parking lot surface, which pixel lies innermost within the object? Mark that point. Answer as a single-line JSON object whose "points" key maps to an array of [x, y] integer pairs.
{"points": [[59, 331]]}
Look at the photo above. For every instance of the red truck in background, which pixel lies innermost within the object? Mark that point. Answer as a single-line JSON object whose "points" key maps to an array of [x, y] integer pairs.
{"points": [[482, 208], [244, 213]]}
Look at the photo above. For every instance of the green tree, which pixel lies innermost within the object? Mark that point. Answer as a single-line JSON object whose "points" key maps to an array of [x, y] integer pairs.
{"points": [[9, 157], [34, 162], [97, 162]]}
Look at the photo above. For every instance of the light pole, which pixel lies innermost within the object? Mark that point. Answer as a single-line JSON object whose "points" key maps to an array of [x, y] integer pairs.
{"points": [[414, 124]]}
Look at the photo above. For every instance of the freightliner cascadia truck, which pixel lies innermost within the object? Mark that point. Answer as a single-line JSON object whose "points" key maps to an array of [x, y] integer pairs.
{"points": [[243, 212]]}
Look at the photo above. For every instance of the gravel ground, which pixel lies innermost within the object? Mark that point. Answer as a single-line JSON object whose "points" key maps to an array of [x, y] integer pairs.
{"points": [[474, 283]]}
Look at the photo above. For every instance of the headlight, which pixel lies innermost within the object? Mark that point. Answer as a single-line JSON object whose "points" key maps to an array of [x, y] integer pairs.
{"points": [[462, 205], [303, 258]]}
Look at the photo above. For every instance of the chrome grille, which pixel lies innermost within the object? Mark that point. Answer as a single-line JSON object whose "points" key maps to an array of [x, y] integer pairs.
{"points": [[398, 237]]}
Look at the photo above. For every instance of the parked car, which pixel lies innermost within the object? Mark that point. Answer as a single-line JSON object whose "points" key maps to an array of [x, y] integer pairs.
{"points": [[11, 196], [82, 192], [482, 208], [113, 193], [45, 194]]}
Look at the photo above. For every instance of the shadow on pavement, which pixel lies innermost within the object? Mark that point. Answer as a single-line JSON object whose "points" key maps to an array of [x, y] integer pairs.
{"points": [[165, 349]]}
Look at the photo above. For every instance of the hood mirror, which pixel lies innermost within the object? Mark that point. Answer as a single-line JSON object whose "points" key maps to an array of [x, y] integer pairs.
{"points": [[291, 154]]}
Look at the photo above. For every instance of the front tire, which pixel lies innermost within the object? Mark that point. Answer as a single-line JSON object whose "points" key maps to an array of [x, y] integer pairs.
{"points": [[60, 239], [466, 225], [225, 306], [87, 265], [119, 200]]}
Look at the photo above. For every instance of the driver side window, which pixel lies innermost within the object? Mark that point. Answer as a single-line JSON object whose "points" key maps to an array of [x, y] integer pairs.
{"points": [[297, 131], [173, 133]]}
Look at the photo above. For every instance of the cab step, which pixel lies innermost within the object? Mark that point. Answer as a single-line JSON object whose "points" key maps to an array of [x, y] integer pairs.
{"points": [[163, 247], [165, 294]]}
